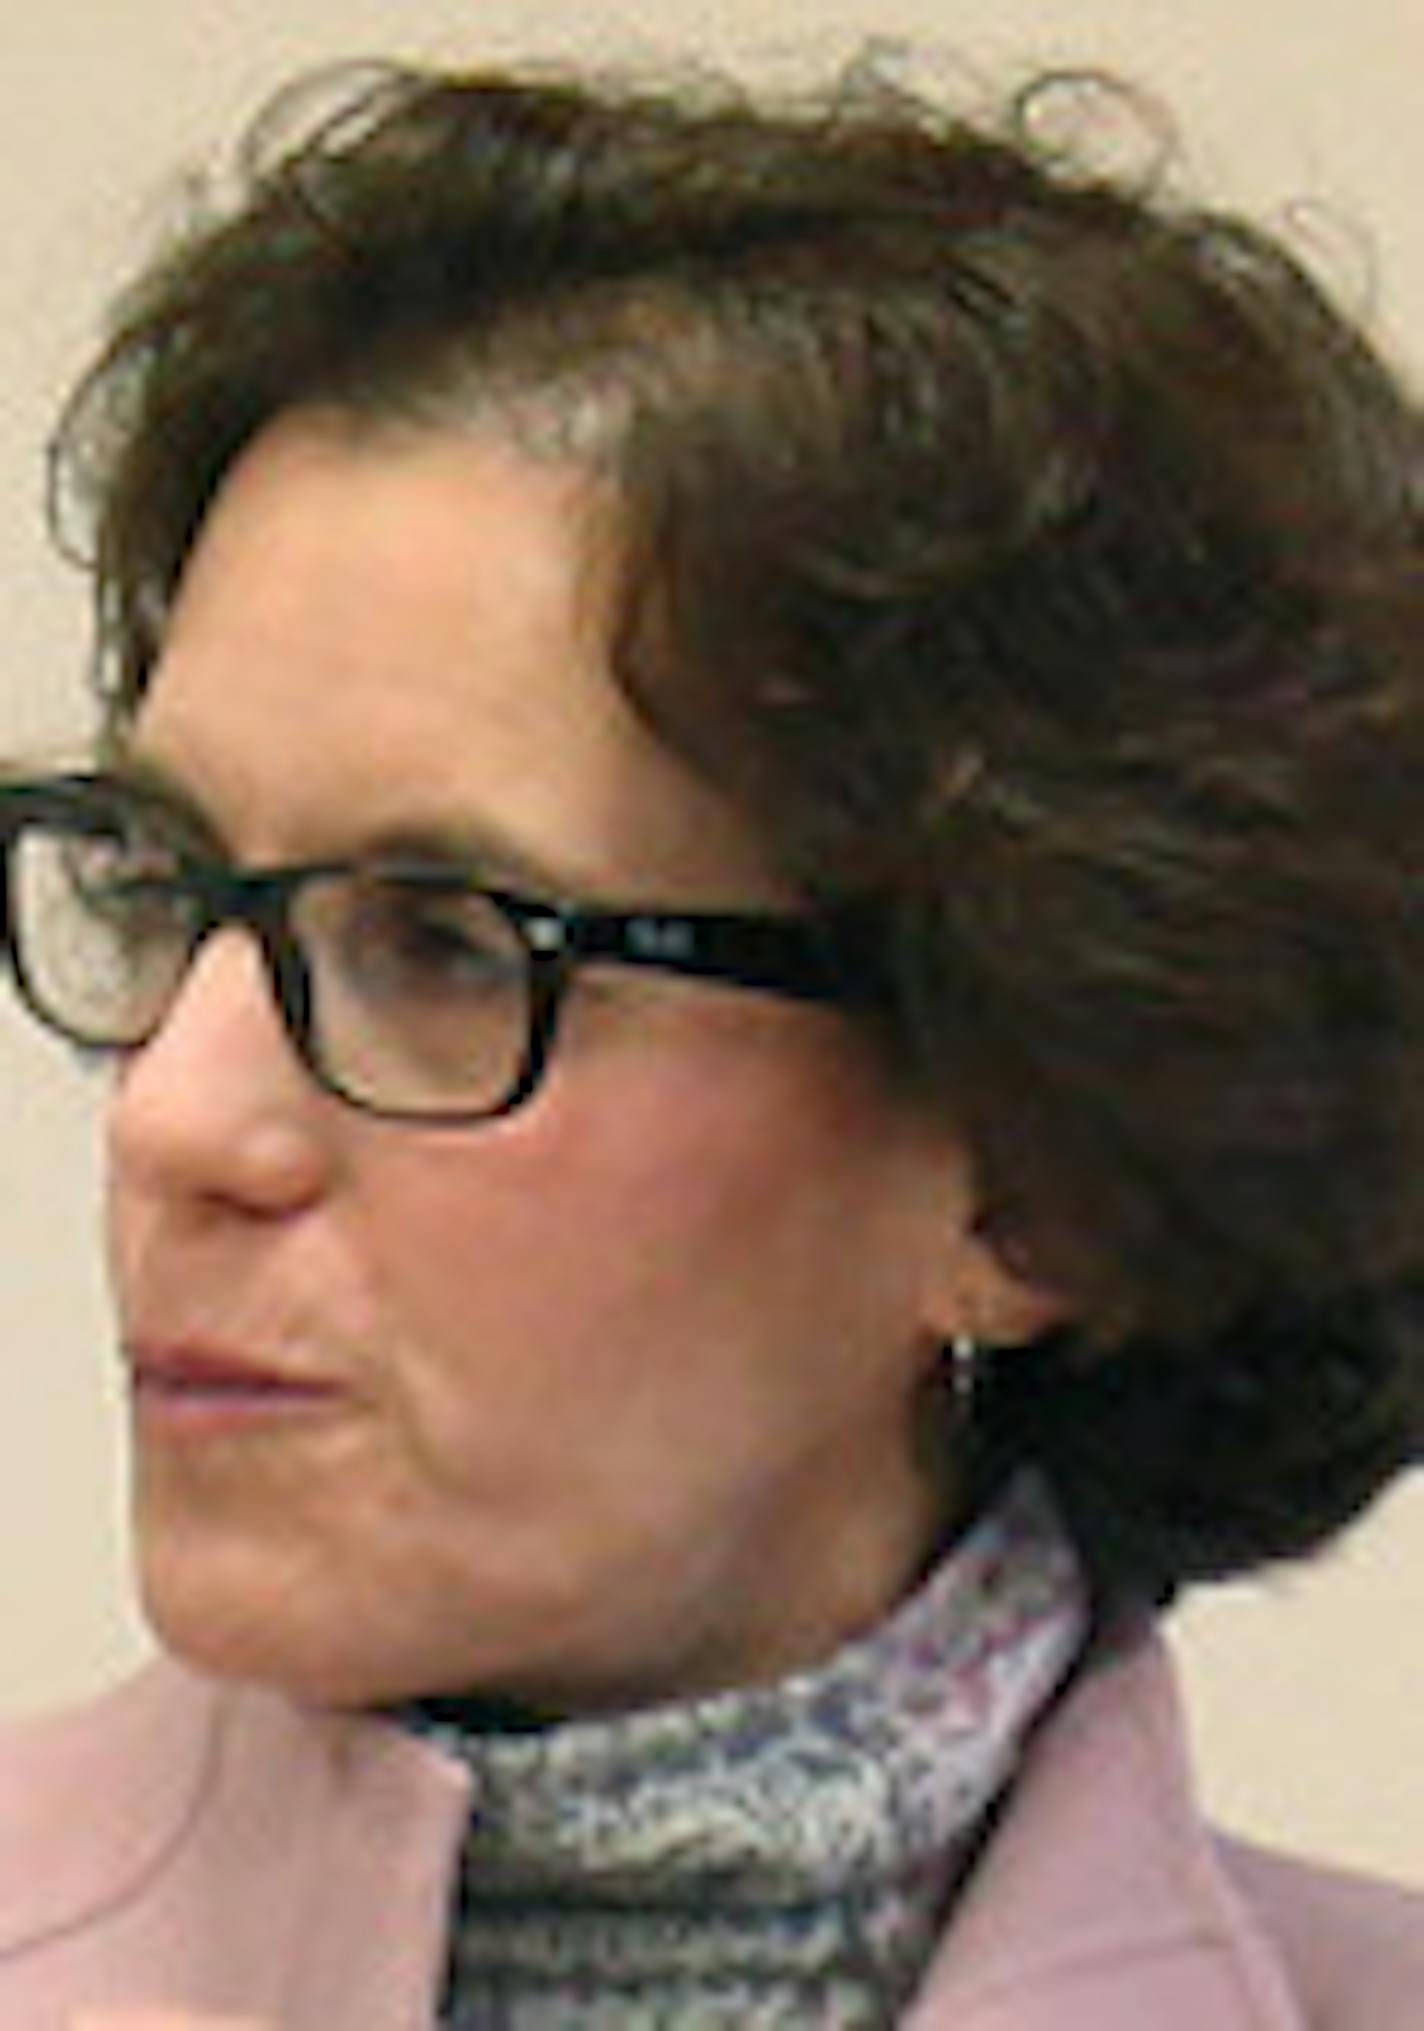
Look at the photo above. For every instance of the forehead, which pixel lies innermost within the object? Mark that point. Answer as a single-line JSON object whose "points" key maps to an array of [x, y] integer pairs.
{"points": [[381, 631]]}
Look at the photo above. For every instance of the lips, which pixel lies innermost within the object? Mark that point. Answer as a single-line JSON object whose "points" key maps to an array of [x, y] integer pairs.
{"points": [[202, 1368], [201, 1386]]}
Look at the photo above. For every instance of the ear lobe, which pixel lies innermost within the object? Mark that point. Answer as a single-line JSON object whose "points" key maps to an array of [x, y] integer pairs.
{"points": [[973, 1290], [1023, 1310]]}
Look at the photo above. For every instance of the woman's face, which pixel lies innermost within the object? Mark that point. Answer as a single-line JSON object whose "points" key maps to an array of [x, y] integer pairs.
{"points": [[619, 1396]]}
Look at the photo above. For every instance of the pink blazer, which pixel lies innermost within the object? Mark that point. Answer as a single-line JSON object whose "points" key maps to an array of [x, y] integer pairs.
{"points": [[189, 1857]]}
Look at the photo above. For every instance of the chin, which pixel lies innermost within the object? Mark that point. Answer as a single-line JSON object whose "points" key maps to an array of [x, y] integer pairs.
{"points": [[248, 1653], [256, 1637], [249, 1637]]}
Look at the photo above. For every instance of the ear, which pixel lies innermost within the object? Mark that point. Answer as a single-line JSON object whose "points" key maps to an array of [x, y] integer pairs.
{"points": [[973, 1287], [974, 1292]]}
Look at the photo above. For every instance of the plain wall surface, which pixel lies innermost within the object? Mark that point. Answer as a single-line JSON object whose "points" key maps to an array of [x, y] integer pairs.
{"points": [[1308, 1692]]}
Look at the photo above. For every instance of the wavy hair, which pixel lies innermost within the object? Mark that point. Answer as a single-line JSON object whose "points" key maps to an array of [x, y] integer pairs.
{"points": [[1038, 555]]}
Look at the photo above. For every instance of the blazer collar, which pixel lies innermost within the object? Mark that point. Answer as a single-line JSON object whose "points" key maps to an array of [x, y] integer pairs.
{"points": [[161, 1725], [1101, 1903], [195, 1799]]}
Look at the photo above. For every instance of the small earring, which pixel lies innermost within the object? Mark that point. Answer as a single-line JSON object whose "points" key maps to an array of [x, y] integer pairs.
{"points": [[965, 1355]]}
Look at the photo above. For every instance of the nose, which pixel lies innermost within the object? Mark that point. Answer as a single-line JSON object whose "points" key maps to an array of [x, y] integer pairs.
{"points": [[217, 1107]]}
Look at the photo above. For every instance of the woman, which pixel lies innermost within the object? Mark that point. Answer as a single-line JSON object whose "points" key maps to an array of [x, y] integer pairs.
{"points": [[750, 875]]}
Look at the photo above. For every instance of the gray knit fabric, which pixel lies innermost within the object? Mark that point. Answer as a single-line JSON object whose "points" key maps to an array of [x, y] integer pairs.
{"points": [[775, 1857]]}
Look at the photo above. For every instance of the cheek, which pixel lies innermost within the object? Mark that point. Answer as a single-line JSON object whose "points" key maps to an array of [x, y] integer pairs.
{"points": [[730, 1201]]}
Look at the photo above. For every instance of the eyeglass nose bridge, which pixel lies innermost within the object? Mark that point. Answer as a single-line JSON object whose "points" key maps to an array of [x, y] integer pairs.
{"points": [[258, 902]]}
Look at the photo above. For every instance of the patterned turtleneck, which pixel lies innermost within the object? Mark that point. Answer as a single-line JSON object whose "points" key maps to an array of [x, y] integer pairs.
{"points": [[774, 1857]]}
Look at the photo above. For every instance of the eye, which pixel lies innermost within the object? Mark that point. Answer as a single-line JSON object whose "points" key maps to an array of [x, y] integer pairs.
{"points": [[399, 935], [104, 919], [125, 882]]}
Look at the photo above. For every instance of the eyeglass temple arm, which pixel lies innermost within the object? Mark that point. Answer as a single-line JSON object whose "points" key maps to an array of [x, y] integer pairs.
{"points": [[777, 953]]}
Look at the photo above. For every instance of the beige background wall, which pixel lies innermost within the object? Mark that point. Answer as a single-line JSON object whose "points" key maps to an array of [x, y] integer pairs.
{"points": [[1308, 1694]]}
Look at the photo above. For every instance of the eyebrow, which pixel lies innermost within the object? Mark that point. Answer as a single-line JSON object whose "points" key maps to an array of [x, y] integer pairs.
{"points": [[134, 774], [469, 849], [461, 847]]}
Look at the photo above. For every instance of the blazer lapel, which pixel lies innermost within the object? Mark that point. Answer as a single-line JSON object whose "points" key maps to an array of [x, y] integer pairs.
{"points": [[202, 1858], [1101, 1903]]}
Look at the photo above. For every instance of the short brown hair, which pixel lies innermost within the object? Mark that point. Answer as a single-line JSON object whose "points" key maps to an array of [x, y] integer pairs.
{"points": [[1038, 556]]}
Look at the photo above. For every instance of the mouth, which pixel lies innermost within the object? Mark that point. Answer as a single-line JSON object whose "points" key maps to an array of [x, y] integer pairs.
{"points": [[190, 1390]]}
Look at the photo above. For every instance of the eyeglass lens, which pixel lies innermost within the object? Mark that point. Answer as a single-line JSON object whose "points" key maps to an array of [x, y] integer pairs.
{"points": [[416, 987]]}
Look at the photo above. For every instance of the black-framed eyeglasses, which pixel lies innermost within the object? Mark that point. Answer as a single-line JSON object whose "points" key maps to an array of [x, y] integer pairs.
{"points": [[408, 988]]}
